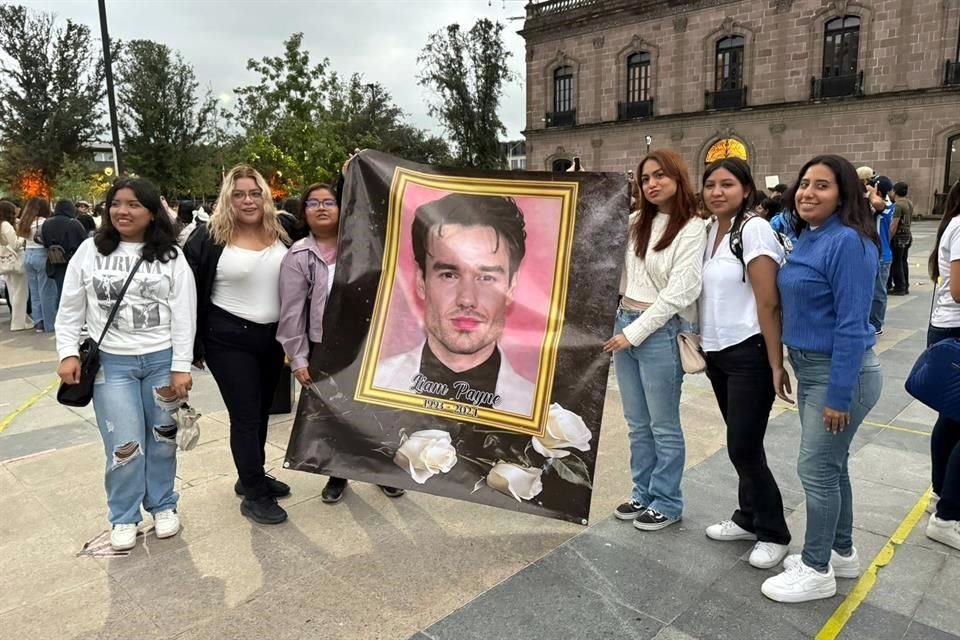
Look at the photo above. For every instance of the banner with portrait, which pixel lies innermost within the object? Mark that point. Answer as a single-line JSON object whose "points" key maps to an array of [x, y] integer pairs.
{"points": [[462, 340]]}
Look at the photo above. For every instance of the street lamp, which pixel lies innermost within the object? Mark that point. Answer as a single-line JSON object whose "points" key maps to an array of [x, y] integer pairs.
{"points": [[649, 140]]}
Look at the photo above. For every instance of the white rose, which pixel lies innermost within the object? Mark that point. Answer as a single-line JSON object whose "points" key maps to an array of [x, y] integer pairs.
{"points": [[565, 429], [523, 483], [425, 454]]}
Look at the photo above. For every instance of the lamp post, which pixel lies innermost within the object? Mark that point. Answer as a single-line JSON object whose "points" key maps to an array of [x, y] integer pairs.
{"points": [[111, 100]]}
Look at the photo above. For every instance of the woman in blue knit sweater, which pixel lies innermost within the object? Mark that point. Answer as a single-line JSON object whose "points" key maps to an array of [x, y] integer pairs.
{"points": [[826, 289]]}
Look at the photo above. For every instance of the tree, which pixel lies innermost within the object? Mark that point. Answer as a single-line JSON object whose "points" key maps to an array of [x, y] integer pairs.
{"points": [[51, 86], [467, 70], [163, 118]]}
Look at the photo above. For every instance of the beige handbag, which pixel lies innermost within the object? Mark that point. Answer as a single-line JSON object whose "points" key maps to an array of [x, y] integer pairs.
{"points": [[691, 356]]}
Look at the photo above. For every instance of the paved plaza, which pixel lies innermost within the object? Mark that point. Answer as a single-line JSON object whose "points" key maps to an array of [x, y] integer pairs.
{"points": [[424, 567]]}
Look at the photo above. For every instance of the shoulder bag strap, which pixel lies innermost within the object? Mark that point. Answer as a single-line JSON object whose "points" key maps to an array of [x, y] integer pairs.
{"points": [[116, 304]]}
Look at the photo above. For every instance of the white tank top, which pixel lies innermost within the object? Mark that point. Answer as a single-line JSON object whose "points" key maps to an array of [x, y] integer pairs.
{"points": [[247, 283]]}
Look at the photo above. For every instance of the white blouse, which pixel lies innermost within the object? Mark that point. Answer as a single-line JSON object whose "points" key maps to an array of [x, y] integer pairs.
{"points": [[946, 311], [728, 309], [247, 283]]}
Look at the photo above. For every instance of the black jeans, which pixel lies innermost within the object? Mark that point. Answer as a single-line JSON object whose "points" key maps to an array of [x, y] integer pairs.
{"points": [[246, 361], [945, 448], [899, 271], [743, 383]]}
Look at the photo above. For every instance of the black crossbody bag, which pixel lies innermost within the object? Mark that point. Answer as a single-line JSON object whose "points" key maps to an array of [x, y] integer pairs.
{"points": [[80, 394]]}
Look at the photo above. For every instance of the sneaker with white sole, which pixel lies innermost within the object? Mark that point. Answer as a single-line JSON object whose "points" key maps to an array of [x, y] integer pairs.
{"points": [[767, 555], [800, 583], [729, 530], [843, 566], [932, 505], [629, 510], [944, 531], [166, 523], [653, 520], [123, 536]]}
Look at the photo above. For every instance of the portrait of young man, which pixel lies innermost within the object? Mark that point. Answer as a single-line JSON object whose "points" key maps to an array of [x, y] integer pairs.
{"points": [[469, 251]]}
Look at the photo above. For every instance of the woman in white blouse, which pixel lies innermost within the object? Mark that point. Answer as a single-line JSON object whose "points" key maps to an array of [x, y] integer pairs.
{"points": [[740, 323], [661, 283]]}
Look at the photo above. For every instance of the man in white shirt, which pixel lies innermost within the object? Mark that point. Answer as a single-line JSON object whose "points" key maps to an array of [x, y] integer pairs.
{"points": [[468, 250]]}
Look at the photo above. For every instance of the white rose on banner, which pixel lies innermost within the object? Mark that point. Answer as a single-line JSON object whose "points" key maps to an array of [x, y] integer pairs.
{"points": [[565, 429], [425, 454], [523, 483]]}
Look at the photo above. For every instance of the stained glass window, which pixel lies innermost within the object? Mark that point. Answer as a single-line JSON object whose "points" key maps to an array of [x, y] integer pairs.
{"points": [[726, 148]]}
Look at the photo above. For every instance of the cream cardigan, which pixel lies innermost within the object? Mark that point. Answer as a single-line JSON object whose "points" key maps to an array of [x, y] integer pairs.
{"points": [[668, 280]]}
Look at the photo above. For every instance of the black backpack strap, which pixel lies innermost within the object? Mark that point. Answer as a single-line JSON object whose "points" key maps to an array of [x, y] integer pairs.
{"points": [[116, 304], [736, 239]]}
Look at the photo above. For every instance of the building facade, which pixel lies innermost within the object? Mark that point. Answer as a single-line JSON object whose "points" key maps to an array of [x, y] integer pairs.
{"points": [[774, 81]]}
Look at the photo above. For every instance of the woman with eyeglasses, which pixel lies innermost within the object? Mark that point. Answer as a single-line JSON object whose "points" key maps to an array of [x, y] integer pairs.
{"points": [[236, 260]]}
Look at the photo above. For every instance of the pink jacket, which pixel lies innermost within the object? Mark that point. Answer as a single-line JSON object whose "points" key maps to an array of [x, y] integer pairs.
{"points": [[306, 276]]}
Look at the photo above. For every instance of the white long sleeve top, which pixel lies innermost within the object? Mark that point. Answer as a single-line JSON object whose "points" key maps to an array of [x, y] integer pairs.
{"points": [[669, 280], [159, 310]]}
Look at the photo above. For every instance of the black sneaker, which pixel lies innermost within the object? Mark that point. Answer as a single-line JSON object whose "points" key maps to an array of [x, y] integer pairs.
{"points": [[276, 488], [264, 510], [653, 520], [629, 510], [392, 492], [333, 492]]}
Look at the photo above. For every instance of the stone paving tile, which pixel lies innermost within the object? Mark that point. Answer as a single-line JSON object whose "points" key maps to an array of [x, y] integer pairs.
{"points": [[918, 537], [897, 468], [920, 631], [719, 615], [939, 609], [21, 443], [873, 623], [899, 440], [902, 583]]}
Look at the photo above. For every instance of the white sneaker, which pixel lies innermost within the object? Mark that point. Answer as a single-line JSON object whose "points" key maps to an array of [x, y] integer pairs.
{"points": [[123, 536], [767, 555], [166, 523], [729, 530], [944, 531], [843, 566], [800, 583], [932, 505]]}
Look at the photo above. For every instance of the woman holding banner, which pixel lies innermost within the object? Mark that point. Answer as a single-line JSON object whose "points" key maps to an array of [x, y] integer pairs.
{"points": [[660, 286]]}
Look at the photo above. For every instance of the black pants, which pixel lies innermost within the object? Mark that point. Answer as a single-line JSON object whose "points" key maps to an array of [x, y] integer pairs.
{"points": [[899, 271], [743, 383], [945, 448], [245, 360]]}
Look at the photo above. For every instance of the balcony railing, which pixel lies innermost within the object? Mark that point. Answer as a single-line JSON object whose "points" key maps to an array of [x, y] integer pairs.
{"points": [[952, 75], [726, 99], [837, 86], [553, 7], [561, 118], [632, 110]]}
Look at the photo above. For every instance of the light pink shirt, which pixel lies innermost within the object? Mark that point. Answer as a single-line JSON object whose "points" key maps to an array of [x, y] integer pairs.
{"points": [[305, 278]]}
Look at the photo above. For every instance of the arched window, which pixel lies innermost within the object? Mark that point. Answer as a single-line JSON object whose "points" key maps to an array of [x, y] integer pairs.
{"points": [[841, 46], [952, 171], [638, 77], [561, 164], [726, 148], [729, 63], [563, 89]]}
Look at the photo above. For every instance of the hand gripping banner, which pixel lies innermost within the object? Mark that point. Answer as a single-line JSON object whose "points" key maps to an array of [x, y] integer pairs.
{"points": [[462, 341]]}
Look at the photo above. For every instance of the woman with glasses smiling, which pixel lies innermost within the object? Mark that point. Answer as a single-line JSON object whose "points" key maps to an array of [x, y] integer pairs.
{"points": [[236, 260]]}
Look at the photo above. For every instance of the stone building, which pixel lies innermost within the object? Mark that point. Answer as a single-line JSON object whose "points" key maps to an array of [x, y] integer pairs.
{"points": [[776, 81]]}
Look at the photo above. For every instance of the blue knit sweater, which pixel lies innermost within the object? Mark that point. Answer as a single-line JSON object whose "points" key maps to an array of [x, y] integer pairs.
{"points": [[826, 288]]}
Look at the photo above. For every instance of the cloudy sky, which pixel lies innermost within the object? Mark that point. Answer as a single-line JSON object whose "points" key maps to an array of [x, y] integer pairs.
{"points": [[378, 38]]}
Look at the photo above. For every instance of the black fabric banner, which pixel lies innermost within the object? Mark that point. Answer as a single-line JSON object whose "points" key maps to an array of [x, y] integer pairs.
{"points": [[462, 341]]}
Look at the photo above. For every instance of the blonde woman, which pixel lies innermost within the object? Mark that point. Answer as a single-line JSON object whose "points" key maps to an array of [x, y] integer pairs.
{"points": [[236, 261]]}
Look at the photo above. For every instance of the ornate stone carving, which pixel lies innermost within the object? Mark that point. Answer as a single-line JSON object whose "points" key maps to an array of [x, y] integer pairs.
{"points": [[782, 6], [559, 151], [561, 58], [680, 23], [596, 143], [637, 43], [598, 42], [838, 6], [529, 54], [776, 128], [897, 117], [676, 135], [727, 25]]}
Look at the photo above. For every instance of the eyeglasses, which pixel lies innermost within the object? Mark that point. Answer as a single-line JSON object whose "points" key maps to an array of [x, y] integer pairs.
{"points": [[329, 203], [243, 195]]}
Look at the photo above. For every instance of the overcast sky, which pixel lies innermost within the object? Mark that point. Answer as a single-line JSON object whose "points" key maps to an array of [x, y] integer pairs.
{"points": [[378, 38]]}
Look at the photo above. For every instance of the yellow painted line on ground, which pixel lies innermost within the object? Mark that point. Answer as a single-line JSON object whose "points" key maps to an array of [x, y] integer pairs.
{"points": [[842, 615], [26, 405]]}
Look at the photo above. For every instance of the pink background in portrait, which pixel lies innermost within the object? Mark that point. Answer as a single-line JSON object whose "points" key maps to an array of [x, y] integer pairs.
{"points": [[527, 315]]}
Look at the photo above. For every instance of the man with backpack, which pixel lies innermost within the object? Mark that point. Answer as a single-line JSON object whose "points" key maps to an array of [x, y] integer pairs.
{"points": [[901, 239], [62, 235]]}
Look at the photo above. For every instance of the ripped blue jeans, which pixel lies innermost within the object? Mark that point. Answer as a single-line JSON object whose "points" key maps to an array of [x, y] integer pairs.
{"points": [[139, 433]]}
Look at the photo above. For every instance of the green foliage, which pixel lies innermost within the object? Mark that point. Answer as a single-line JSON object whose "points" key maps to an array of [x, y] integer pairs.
{"points": [[51, 86], [75, 181], [467, 70]]}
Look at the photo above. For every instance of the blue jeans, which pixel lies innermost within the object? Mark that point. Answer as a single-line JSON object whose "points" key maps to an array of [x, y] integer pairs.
{"points": [[822, 464], [43, 290], [650, 377], [139, 434], [878, 308]]}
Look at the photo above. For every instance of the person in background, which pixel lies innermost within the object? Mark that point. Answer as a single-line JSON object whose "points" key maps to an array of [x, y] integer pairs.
{"points": [[83, 207], [944, 264], [778, 191], [88, 222], [660, 285], [878, 307], [769, 208], [62, 236], [740, 331], [826, 288], [18, 291], [43, 290], [144, 356], [901, 240], [186, 221], [293, 218]]}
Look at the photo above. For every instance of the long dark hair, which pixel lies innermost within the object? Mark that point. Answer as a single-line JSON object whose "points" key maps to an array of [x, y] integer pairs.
{"points": [[684, 203], [740, 171], [853, 208], [160, 238], [950, 211], [8, 212], [36, 207]]}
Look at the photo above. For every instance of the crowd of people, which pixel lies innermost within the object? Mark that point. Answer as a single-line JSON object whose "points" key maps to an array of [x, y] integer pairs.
{"points": [[242, 288]]}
